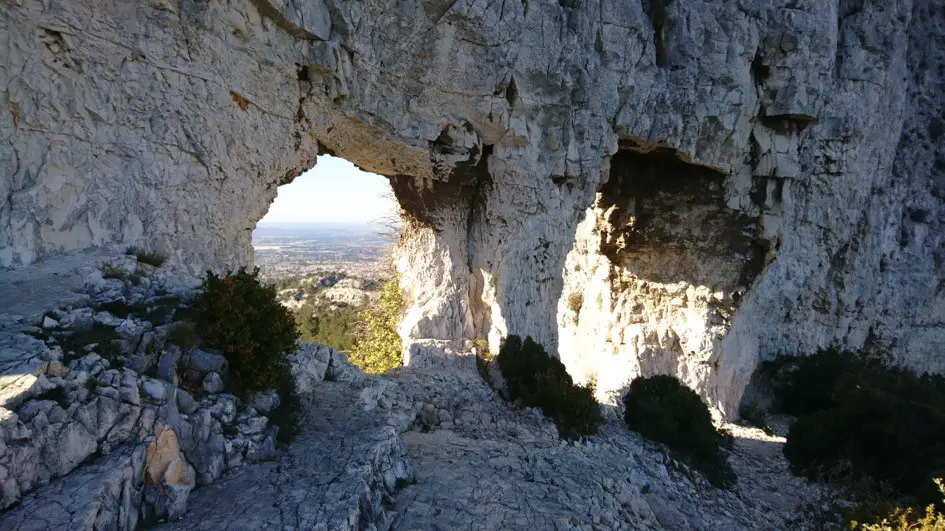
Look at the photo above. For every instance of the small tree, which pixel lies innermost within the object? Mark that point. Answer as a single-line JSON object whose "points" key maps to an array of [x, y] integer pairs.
{"points": [[378, 347], [241, 316]]}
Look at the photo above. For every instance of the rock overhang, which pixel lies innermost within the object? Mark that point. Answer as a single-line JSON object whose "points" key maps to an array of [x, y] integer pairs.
{"points": [[175, 132]]}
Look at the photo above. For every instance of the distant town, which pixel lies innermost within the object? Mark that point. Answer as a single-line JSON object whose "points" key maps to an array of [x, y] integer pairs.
{"points": [[286, 250]]}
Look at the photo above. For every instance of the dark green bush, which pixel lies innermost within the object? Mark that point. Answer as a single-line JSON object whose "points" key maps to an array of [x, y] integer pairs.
{"points": [[184, 335], [147, 257], [662, 409], [539, 380], [882, 424], [810, 382], [241, 316]]}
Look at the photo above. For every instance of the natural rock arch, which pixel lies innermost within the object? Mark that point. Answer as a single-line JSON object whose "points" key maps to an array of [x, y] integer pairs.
{"points": [[170, 125]]}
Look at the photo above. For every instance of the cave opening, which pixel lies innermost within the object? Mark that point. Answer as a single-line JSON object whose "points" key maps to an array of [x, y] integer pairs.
{"points": [[668, 221], [334, 213], [666, 265]]}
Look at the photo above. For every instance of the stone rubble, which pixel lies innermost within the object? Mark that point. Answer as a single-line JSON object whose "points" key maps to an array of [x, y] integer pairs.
{"points": [[434, 447], [87, 442], [80, 411]]}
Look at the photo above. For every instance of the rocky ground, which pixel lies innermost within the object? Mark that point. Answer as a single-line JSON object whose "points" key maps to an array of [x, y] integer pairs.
{"points": [[134, 431]]}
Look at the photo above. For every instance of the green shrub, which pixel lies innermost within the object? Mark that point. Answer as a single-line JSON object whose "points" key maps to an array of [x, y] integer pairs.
{"points": [[327, 324], [184, 335], [102, 336], [810, 381], [542, 381], [662, 409], [240, 316], [573, 408], [887, 425], [378, 347], [909, 519], [147, 257]]}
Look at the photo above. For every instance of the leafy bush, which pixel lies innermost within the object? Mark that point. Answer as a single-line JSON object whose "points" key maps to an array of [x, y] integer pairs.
{"points": [[184, 335], [240, 316], [147, 257], [662, 409], [378, 347], [541, 381], [888, 425], [909, 519], [328, 324], [810, 381]]}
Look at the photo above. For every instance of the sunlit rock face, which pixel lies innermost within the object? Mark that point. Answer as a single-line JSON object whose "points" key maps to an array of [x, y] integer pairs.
{"points": [[720, 182]]}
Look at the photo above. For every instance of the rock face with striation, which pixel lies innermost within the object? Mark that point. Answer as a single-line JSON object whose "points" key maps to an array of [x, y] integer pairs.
{"points": [[653, 186]]}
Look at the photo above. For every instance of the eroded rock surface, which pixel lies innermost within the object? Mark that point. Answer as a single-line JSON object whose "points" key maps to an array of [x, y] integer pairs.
{"points": [[786, 179], [435, 448], [86, 440]]}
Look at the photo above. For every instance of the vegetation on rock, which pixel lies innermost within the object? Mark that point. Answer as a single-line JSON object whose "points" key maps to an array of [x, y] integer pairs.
{"points": [[147, 257], [240, 316], [335, 325], [860, 419], [663, 409], [184, 335], [540, 380], [378, 347], [909, 519]]}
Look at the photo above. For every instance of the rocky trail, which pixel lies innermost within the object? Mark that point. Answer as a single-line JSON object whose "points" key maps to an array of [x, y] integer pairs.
{"points": [[337, 474], [132, 439], [434, 449]]}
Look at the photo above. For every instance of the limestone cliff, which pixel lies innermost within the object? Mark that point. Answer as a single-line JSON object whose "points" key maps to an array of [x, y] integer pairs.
{"points": [[718, 181]]}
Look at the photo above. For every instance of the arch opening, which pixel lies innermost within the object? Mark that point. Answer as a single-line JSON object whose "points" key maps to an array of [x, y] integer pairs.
{"points": [[326, 244]]}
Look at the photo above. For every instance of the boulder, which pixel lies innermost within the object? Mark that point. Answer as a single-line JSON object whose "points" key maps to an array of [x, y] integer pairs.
{"points": [[212, 383], [167, 364], [199, 363], [155, 389], [168, 477], [265, 401], [309, 364]]}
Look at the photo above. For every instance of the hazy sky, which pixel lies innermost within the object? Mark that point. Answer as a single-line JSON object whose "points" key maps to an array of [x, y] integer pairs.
{"points": [[334, 190]]}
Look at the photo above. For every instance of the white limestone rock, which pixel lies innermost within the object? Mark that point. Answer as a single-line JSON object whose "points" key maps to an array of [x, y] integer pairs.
{"points": [[212, 383], [309, 365], [498, 149]]}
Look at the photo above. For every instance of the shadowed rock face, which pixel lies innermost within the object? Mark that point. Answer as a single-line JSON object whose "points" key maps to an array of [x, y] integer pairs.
{"points": [[806, 177]]}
